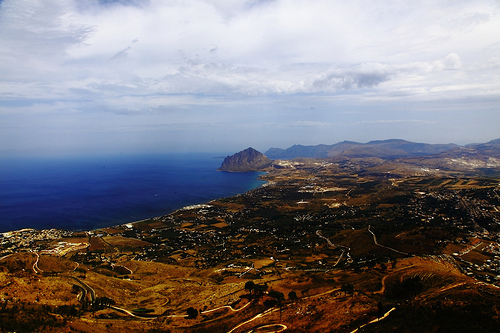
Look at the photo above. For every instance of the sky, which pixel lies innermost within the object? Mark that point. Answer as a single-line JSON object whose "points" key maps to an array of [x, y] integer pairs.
{"points": [[223, 75]]}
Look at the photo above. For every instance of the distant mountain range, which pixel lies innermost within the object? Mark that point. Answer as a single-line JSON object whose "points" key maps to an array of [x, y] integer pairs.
{"points": [[445, 156], [386, 149]]}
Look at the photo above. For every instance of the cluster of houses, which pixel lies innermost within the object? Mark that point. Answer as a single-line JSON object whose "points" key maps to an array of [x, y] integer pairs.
{"points": [[29, 239]]}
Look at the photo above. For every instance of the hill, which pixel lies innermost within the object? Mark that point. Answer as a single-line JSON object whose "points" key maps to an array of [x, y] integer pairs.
{"points": [[478, 158], [393, 148], [245, 161]]}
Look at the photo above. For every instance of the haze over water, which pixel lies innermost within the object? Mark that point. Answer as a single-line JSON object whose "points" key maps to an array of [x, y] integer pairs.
{"points": [[79, 193]]}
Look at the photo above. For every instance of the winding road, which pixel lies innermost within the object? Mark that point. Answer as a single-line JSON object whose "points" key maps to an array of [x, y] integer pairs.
{"points": [[133, 314], [344, 248], [36, 269], [382, 290], [87, 288], [5, 257], [282, 328], [225, 307], [268, 311], [385, 247], [375, 320]]}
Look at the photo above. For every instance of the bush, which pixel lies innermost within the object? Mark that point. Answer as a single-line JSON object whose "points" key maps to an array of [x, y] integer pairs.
{"points": [[192, 313], [408, 288]]}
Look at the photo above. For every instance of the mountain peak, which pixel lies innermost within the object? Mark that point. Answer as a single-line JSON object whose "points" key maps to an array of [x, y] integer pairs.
{"points": [[245, 161]]}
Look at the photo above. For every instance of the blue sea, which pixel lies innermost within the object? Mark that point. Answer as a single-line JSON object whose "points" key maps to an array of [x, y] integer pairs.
{"points": [[84, 193]]}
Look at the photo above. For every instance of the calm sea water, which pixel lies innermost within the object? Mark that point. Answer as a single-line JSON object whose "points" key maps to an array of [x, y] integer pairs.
{"points": [[87, 193]]}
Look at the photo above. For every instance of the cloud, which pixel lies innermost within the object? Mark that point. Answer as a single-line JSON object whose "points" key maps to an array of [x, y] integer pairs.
{"points": [[452, 61], [396, 121], [222, 57], [254, 47], [358, 77]]}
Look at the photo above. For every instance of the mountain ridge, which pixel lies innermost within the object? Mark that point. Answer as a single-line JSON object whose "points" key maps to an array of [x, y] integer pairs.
{"points": [[391, 148]]}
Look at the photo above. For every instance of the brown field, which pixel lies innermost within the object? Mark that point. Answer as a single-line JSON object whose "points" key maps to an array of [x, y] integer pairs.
{"points": [[74, 240], [120, 241], [258, 264], [170, 289]]}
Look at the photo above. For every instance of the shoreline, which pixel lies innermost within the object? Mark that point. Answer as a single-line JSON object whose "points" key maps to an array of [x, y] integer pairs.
{"points": [[15, 231], [194, 206]]}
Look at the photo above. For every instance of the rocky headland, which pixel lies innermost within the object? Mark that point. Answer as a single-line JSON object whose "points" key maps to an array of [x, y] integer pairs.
{"points": [[245, 161]]}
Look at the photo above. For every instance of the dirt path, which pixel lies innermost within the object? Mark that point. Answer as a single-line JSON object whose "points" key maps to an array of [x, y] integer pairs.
{"points": [[109, 244]]}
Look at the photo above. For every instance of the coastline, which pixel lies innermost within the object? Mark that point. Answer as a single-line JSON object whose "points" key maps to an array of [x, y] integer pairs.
{"points": [[195, 206], [134, 222], [75, 194]]}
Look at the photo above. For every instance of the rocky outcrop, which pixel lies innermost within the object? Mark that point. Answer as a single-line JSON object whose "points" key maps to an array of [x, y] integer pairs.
{"points": [[245, 161]]}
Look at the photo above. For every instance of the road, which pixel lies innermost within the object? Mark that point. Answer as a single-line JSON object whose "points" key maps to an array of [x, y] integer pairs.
{"points": [[4, 257], [268, 311], [88, 289], [152, 316], [282, 328], [133, 314], [344, 248], [36, 269], [375, 320], [381, 291], [225, 307], [128, 269], [385, 247]]}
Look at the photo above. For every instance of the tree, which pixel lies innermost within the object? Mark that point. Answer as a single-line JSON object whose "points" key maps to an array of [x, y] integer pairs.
{"points": [[250, 286], [292, 295], [270, 303], [347, 288], [192, 313], [277, 295], [380, 309], [105, 301], [408, 288], [260, 288]]}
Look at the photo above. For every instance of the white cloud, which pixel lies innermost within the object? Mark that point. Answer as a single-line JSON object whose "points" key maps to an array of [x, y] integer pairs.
{"points": [[218, 47], [150, 57]]}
